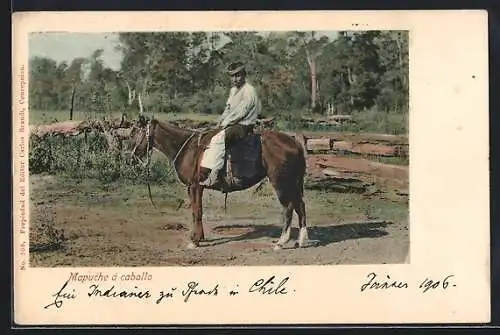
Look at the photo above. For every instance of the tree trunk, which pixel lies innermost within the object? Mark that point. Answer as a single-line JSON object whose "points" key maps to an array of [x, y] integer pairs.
{"points": [[141, 109], [400, 58], [312, 68], [350, 77], [130, 96], [73, 90]]}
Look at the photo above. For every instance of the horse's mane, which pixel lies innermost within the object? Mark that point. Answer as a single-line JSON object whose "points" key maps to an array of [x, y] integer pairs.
{"points": [[166, 126]]}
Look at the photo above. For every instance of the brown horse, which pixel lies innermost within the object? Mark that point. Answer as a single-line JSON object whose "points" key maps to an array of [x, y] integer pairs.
{"points": [[271, 154]]}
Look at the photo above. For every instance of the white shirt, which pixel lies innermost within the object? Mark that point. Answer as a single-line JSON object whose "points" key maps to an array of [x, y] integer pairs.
{"points": [[242, 107]]}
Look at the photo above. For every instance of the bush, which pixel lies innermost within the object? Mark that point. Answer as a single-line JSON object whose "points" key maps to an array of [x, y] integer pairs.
{"points": [[79, 158], [47, 237], [378, 122]]}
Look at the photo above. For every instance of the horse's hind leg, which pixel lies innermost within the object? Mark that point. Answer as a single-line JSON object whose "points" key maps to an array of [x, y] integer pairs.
{"points": [[300, 209], [286, 219], [196, 197]]}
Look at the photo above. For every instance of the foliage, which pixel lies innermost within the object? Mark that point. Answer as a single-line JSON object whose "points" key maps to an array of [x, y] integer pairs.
{"points": [[47, 237], [78, 158], [296, 73]]}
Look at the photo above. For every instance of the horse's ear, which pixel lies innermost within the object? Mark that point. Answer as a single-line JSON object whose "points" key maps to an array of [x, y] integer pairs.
{"points": [[124, 117], [142, 120]]}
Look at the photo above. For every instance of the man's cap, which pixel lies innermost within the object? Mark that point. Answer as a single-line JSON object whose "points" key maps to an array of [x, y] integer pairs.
{"points": [[235, 67]]}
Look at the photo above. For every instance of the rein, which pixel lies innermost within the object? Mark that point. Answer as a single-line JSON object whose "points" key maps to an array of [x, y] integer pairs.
{"points": [[149, 153], [180, 150], [149, 150]]}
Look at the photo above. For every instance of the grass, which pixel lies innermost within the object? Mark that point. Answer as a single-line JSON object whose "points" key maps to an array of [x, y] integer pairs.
{"points": [[391, 160], [379, 122]]}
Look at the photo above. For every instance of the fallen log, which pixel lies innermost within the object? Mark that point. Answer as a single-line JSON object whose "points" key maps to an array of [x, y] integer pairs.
{"points": [[311, 122], [328, 144], [319, 144], [371, 149], [73, 128], [66, 128], [352, 175], [193, 124], [354, 137], [115, 131], [341, 118], [340, 184], [358, 166]]}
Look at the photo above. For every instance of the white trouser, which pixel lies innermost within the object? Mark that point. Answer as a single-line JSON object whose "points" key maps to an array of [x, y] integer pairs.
{"points": [[213, 157]]}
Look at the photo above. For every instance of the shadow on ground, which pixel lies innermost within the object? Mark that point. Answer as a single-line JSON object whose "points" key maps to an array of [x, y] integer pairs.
{"points": [[319, 235]]}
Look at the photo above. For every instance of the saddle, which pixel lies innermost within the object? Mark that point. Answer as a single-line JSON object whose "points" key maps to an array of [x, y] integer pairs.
{"points": [[242, 161], [243, 157]]}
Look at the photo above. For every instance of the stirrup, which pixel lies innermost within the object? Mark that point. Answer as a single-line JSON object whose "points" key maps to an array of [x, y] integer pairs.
{"points": [[211, 180]]}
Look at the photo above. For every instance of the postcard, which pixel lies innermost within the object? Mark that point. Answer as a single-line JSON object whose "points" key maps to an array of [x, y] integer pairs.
{"points": [[249, 168]]}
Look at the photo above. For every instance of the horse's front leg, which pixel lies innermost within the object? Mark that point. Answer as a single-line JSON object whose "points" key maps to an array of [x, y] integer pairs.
{"points": [[196, 195]]}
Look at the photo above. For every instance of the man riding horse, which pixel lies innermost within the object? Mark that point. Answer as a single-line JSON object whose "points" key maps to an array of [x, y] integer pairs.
{"points": [[272, 154], [237, 121]]}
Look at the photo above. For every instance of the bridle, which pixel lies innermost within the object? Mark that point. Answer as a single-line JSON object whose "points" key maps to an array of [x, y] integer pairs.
{"points": [[148, 134]]}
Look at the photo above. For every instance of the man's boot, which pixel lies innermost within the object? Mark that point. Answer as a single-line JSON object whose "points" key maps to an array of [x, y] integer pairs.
{"points": [[208, 177], [204, 173]]}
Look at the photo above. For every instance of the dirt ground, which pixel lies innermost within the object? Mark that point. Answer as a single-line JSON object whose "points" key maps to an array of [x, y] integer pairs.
{"points": [[89, 224]]}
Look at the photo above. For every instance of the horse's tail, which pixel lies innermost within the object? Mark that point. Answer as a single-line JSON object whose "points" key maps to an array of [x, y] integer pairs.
{"points": [[303, 167], [302, 164]]}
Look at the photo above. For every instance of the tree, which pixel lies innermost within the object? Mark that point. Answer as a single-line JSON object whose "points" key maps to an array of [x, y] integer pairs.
{"points": [[393, 58], [294, 72], [310, 47]]}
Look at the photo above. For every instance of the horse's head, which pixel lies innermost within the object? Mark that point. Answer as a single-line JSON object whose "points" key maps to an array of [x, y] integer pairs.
{"points": [[141, 138]]}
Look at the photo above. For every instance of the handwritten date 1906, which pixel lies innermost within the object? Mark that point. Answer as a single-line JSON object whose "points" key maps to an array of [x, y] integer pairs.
{"points": [[428, 284]]}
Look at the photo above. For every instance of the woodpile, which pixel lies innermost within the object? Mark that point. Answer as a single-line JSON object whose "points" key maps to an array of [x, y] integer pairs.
{"points": [[341, 118], [357, 175], [192, 124], [358, 144], [116, 131], [66, 128], [356, 137], [332, 120], [74, 128], [265, 123]]}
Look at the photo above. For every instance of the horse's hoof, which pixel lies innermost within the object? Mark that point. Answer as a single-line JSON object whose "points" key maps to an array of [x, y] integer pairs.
{"points": [[304, 244], [277, 247], [191, 246], [303, 237]]}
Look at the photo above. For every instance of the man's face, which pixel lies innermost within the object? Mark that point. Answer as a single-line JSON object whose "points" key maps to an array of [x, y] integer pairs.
{"points": [[238, 79]]}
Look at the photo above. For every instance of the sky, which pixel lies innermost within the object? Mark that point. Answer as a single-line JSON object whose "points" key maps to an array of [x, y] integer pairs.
{"points": [[67, 46]]}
